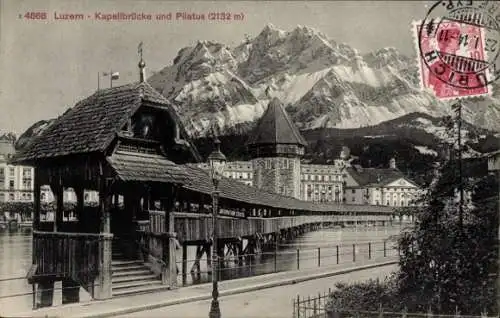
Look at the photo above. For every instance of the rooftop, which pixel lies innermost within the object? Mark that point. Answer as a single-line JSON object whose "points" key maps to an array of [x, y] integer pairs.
{"points": [[276, 127], [92, 124], [199, 180], [374, 176]]}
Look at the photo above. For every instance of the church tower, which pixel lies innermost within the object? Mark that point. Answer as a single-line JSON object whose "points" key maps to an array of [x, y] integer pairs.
{"points": [[276, 147]]}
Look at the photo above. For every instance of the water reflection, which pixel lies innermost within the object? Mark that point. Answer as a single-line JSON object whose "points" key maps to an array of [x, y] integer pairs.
{"points": [[15, 260], [286, 257]]}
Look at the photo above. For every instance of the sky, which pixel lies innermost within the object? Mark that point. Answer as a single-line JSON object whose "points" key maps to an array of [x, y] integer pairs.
{"points": [[47, 65]]}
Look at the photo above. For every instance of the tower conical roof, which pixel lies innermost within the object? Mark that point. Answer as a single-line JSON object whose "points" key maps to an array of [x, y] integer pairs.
{"points": [[276, 127]]}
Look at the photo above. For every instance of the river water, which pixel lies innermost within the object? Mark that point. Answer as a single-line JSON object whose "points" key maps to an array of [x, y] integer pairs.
{"points": [[315, 249]]}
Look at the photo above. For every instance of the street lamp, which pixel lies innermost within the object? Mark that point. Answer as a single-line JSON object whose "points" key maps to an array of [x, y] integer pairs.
{"points": [[217, 162]]}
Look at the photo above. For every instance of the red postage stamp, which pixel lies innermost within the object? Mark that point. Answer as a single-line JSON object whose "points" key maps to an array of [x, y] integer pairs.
{"points": [[452, 59]]}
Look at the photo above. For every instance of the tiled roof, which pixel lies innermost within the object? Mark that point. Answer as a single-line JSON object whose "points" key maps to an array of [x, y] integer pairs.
{"points": [[146, 167], [199, 181], [374, 176], [92, 123], [276, 127]]}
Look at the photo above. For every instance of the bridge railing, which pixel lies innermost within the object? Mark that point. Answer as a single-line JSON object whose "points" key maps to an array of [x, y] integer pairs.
{"points": [[69, 255], [197, 226]]}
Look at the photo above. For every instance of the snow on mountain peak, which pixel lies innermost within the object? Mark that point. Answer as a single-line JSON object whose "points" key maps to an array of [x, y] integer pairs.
{"points": [[269, 35], [321, 82], [388, 56]]}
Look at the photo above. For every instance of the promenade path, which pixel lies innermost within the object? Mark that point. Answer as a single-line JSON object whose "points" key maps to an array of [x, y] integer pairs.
{"points": [[273, 302], [192, 301]]}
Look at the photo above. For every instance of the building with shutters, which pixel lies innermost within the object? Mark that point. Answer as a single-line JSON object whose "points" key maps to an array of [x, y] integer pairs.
{"points": [[379, 186]]}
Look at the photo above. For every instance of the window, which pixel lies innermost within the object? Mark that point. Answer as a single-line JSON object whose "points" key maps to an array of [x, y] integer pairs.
{"points": [[27, 184], [11, 172], [144, 126], [353, 191], [11, 184], [26, 173], [2, 174], [11, 197], [352, 199]]}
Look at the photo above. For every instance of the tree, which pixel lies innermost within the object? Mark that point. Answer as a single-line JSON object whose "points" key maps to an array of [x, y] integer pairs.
{"points": [[445, 264]]}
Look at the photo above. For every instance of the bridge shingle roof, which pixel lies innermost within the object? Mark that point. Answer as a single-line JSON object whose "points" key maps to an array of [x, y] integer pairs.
{"points": [[146, 167], [199, 180], [92, 124]]}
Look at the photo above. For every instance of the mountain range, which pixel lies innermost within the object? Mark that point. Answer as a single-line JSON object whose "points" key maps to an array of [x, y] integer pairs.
{"points": [[334, 94], [322, 83]]}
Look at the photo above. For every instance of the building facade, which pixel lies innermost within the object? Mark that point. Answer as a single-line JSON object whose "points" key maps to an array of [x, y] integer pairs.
{"points": [[238, 170], [376, 186], [322, 183], [16, 181]]}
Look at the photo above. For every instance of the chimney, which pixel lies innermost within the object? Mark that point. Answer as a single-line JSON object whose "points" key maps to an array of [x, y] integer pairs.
{"points": [[392, 163]]}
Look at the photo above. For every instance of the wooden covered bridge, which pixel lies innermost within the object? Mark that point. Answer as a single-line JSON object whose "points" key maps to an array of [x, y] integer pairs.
{"points": [[128, 144]]}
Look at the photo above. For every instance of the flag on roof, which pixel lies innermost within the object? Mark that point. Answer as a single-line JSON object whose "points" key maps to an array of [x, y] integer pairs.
{"points": [[114, 75]]}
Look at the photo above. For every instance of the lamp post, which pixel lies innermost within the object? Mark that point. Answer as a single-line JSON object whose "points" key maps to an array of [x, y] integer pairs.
{"points": [[217, 162]]}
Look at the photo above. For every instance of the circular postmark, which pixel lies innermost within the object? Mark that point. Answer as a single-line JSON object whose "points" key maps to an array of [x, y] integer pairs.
{"points": [[459, 42]]}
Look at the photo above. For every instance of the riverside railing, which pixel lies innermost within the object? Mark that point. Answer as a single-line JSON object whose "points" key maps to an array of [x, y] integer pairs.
{"points": [[316, 306], [288, 260]]}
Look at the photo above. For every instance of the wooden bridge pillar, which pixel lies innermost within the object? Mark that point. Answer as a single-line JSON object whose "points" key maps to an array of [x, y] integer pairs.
{"points": [[79, 192], [70, 291], [103, 281], [58, 191], [169, 243], [184, 263], [45, 294], [239, 247]]}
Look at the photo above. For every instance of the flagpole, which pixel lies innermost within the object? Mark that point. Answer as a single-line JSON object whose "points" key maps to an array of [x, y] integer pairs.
{"points": [[98, 81], [111, 78]]}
